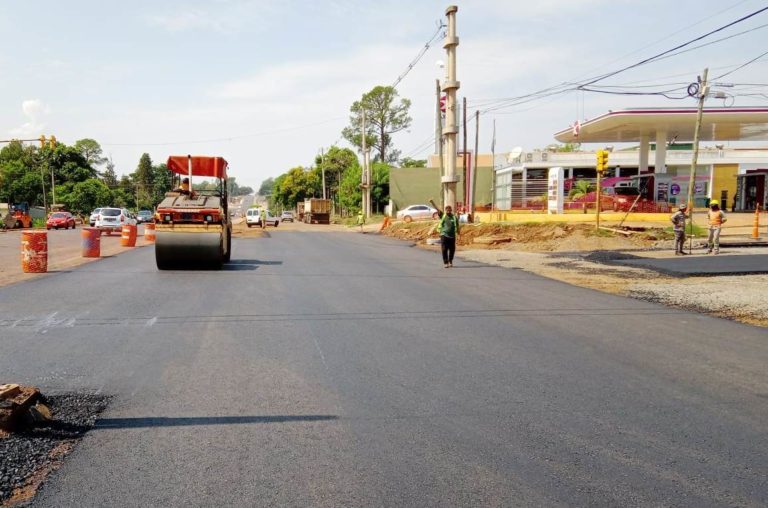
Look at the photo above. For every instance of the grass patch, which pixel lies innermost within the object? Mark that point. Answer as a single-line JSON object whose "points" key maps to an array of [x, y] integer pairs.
{"points": [[697, 230]]}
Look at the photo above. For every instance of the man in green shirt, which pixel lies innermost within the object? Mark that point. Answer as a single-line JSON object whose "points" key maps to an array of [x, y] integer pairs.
{"points": [[449, 231]]}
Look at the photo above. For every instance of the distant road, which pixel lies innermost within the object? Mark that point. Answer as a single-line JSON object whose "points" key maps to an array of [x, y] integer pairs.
{"points": [[354, 370]]}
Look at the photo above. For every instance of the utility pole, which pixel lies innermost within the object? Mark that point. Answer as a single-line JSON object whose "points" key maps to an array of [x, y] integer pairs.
{"points": [[450, 86], [439, 137], [703, 90], [364, 181], [464, 157], [474, 166], [322, 167]]}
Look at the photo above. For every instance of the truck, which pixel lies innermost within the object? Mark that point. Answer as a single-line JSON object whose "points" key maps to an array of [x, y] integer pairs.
{"points": [[317, 211]]}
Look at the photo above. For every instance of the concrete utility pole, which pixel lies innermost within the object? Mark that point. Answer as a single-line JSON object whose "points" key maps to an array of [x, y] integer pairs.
{"points": [[464, 157], [474, 165], [322, 168], [450, 130], [439, 137], [703, 90], [364, 176]]}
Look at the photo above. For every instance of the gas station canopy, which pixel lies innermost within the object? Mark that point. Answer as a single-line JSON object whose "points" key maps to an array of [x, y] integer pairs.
{"points": [[636, 125]]}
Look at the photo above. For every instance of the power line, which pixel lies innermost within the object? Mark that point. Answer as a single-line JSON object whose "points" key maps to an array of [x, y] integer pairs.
{"points": [[421, 54]]}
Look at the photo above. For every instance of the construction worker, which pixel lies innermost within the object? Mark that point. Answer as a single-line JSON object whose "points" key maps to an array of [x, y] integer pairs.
{"points": [[448, 227], [678, 225], [263, 218], [715, 218], [360, 220]]}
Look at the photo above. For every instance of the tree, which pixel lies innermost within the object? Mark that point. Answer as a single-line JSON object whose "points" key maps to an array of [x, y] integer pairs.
{"points": [[87, 195], [407, 162], [161, 182], [384, 116], [296, 185], [109, 177], [143, 179], [91, 151], [580, 189], [266, 187]]}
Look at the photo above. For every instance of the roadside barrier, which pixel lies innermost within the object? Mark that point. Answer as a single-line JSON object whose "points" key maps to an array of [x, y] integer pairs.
{"points": [[90, 242], [128, 236], [149, 232], [34, 251]]}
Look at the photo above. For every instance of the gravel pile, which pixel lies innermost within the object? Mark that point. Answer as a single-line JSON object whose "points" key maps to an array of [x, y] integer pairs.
{"points": [[28, 452], [739, 296]]}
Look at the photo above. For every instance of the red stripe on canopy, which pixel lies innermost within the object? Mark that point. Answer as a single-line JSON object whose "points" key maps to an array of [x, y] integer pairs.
{"points": [[201, 165]]}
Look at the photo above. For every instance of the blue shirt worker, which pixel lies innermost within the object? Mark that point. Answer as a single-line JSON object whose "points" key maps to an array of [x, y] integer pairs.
{"points": [[448, 227]]}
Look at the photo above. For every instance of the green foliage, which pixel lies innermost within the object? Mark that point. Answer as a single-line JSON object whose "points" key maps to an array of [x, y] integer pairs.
{"points": [[91, 151], [379, 186], [350, 194], [407, 162], [161, 183], [384, 116], [266, 187], [564, 148], [87, 195], [296, 185], [580, 189], [235, 190], [109, 177]]}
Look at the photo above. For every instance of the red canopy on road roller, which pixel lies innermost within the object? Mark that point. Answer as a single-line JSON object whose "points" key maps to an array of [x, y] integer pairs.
{"points": [[201, 165]]}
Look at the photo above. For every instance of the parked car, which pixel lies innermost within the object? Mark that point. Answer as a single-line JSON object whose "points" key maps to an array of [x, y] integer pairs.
{"points": [[253, 218], [286, 216], [624, 198], [418, 212], [113, 219], [94, 216], [144, 216], [58, 220]]}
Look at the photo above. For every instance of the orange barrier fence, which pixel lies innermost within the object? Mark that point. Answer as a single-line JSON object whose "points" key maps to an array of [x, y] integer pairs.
{"points": [[34, 251], [128, 236], [90, 242], [149, 232]]}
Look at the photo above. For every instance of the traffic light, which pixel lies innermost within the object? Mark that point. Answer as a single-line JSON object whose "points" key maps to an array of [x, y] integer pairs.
{"points": [[602, 161], [52, 142], [42, 141]]}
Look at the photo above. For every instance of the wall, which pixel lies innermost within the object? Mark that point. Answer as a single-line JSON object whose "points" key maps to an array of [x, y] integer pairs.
{"points": [[412, 186], [724, 179]]}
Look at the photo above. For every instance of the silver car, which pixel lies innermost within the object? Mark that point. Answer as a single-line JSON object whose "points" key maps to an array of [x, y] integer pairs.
{"points": [[113, 219], [418, 212]]}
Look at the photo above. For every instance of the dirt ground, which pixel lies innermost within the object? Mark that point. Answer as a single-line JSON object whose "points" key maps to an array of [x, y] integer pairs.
{"points": [[575, 253]]}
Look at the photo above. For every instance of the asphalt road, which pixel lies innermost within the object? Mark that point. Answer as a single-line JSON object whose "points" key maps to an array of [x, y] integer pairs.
{"points": [[341, 369]]}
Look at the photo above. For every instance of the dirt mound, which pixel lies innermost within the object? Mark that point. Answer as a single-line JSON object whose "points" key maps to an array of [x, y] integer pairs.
{"points": [[548, 237]]}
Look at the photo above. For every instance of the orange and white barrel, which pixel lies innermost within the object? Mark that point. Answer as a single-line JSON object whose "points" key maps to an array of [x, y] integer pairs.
{"points": [[34, 251], [149, 231], [90, 242], [128, 236]]}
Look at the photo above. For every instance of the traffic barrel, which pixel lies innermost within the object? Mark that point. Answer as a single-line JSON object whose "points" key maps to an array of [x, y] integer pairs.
{"points": [[128, 236], [90, 242], [149, 231], [34, 251]]}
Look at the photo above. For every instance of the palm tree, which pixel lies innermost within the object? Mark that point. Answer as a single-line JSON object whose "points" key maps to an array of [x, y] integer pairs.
{"points": [[579, 190]]}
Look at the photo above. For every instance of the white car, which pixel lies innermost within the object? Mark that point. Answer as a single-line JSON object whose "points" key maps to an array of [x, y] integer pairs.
{"points": [[94, 216], [253, 218], [113, 219], [417, 212]]}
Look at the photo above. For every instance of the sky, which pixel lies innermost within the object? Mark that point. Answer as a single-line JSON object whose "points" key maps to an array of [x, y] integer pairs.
{"points": [[268, 84]]}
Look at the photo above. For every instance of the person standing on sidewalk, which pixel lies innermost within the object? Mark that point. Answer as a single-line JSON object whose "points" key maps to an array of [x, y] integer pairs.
{"points": [[678, 225], [448, 227], [715, 218]]}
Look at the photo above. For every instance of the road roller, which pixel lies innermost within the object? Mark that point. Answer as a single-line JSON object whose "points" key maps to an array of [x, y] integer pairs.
{"points": [[193, 228]]}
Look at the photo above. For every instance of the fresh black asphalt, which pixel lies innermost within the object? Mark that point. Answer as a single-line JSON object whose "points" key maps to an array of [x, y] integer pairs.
{"points": [[702, 264], [341, 369]]}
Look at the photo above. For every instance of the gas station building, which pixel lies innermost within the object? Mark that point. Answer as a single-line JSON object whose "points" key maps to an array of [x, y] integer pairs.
{"points": [[663, 155]]}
